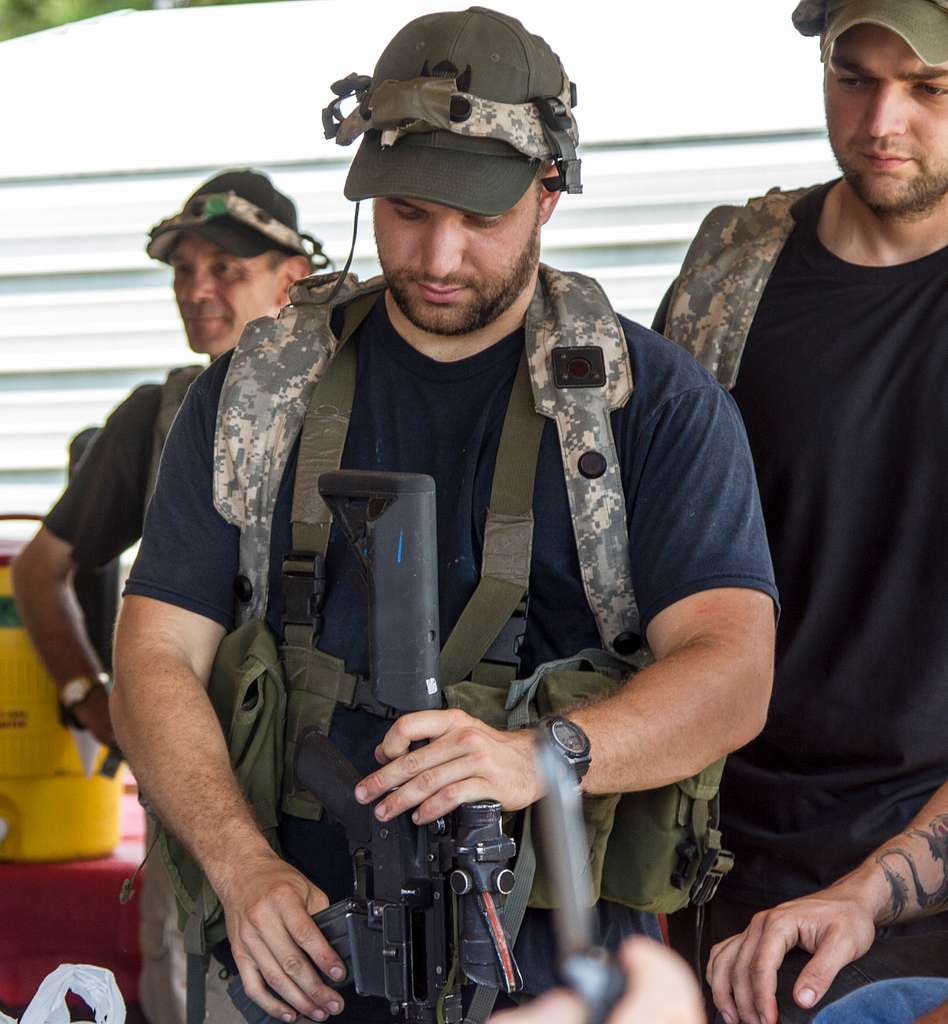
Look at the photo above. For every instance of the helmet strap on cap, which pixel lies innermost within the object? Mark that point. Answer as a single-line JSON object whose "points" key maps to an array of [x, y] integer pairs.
{"points": [[556, 127], [352, 85]]}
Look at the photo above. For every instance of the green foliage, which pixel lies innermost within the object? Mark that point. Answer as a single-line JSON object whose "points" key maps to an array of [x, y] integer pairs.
{"points": [[19, 17]]}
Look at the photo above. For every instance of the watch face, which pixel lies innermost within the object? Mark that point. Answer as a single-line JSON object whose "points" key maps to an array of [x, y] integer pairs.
{"points": [[570, 737]]}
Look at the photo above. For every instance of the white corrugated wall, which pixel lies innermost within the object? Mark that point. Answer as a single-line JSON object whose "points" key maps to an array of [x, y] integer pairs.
{"points": [[85, 315]]}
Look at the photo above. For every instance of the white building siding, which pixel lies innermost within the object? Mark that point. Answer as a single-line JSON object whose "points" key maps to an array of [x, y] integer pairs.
{"points": [[85, 315]]}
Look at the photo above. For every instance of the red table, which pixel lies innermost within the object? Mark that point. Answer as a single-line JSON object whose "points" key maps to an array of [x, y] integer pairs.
{"points": [[70, 913]]}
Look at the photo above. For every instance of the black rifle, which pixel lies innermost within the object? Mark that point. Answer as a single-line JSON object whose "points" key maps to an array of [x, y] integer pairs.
{"points": [[424, 917], [587, 969]]}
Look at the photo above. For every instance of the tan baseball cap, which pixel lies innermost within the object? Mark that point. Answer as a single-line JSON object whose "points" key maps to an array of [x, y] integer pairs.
{"points": [[923, 24]]}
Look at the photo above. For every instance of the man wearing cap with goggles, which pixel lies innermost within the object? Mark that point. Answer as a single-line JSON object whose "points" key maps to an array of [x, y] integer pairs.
{"points": [[830, 325], [235, 249], [467, 141]]}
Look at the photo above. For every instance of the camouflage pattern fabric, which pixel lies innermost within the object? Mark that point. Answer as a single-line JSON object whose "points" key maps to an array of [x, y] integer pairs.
{"points": [[424, 105], [278, 362], [572, 310], [809, 17], [723, 277], [263, 402]]}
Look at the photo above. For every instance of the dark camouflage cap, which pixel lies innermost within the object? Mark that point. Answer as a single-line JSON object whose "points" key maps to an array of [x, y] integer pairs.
{"points": [[923, 24], [462, 109], [243, 213]]}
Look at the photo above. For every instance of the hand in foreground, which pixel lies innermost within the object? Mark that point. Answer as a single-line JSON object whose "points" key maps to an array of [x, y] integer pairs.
{"points": [[275, 942], [937, 1016], [466, 760], [93, 714], [834, 925], [660, 990]]}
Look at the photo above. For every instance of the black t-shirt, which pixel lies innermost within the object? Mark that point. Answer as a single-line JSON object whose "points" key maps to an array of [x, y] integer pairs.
{"points": [[101, 511], [694, 522], [844, 391]]}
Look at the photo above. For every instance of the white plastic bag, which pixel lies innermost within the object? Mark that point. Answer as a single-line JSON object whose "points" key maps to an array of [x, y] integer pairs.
{"points": [[96, 985]]}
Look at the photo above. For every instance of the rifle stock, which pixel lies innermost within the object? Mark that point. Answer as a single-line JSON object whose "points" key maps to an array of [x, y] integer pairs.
{"points": [[425, 912]]}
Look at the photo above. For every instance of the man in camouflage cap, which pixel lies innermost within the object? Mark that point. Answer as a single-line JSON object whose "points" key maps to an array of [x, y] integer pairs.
{"points": [[234, 248], [825, 311], [467, 142]]}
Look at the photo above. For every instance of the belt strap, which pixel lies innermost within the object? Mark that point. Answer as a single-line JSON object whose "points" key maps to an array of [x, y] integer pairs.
{"points": [[508, 536]]}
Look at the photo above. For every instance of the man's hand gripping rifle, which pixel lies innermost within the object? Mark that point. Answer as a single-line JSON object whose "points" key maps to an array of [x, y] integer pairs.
{"points": [[424, 917]]}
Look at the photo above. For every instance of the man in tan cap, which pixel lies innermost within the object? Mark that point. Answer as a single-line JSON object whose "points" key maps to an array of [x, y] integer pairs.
{"points": [[825, 311]]}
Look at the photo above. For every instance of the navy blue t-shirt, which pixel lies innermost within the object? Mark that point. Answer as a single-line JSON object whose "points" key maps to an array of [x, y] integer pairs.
{"points": [[694, 522]]}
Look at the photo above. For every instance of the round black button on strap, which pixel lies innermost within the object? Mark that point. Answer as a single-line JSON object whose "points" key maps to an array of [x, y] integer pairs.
{"points": [[592, 465], [243, 589]]}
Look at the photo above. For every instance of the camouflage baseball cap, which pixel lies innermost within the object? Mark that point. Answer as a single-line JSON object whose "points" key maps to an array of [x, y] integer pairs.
{"points": [[242, 212], [923, 24], [462, 109]]}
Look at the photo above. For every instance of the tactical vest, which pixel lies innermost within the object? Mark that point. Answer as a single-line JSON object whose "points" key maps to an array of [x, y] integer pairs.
{"points": [[293, 377], [173, 391], [715, 298]]}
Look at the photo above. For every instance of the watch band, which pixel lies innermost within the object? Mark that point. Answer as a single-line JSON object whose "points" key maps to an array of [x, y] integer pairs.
{"points": [[74, 691], [571, 741]]}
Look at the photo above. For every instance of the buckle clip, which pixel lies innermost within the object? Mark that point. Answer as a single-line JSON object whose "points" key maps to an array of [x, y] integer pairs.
{"points": [[304, 591], [713, 865]]}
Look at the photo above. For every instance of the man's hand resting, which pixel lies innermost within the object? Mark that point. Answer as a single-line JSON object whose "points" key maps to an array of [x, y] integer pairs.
{"points": [[835, 925], [275, 943]]}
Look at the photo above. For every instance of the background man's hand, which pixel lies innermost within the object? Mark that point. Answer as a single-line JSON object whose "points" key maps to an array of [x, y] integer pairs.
{"points": [[660, 990], [464, 761], [834, 925], [275, 942], [93, 714]]}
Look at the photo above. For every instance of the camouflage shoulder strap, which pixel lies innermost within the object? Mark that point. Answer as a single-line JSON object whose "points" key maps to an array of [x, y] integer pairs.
{"points": [[570, 310], [262, 406], [173, 390], [723, 277]]}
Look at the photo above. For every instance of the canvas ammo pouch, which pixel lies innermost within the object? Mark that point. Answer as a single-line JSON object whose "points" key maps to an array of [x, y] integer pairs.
{"points": [[247, 692], [640, 844]]}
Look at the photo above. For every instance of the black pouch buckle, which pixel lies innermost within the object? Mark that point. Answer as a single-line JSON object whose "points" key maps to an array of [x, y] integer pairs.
{"points": [[304, 591], [712, 867], [364, 700], [505, 650]]}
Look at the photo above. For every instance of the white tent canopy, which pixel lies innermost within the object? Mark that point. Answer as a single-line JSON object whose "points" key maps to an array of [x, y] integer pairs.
{"points": [[206, 86]]}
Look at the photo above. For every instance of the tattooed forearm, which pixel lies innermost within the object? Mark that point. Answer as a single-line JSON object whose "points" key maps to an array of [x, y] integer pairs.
{"points": [[917, 871]]}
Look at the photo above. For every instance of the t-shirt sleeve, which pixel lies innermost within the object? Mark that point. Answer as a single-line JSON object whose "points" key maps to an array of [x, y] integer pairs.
{"points": [[100, 512], [189, 554], [696, 521]]}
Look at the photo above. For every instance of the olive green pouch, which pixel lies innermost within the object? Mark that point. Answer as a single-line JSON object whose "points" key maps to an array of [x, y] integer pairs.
{"points": [[315, 683], [646, 849], [247, 692]]}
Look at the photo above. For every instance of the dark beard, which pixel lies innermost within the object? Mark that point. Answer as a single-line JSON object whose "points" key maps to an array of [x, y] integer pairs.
{"points": [[918, 198], [487, 305]]}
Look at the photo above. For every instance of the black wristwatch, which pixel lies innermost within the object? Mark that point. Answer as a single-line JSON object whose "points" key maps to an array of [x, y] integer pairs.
{"points": [[570, 740]]}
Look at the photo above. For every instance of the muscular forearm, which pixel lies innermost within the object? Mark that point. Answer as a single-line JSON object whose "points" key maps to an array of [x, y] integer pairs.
{"points": [[907, 877], [671, 720], [46, 602], [705, 696], [173, 741]]}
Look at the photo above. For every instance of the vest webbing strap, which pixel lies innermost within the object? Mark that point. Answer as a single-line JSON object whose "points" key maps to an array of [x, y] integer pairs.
{"points": [[322, 442], [508, 537]]}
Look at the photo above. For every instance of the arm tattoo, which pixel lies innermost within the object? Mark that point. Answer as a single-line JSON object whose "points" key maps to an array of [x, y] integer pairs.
{"points": [[904, 872]]}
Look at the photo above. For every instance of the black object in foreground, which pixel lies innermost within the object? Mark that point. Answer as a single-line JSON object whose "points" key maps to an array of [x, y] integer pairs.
{"points": [[425, 915], [595, 977]]}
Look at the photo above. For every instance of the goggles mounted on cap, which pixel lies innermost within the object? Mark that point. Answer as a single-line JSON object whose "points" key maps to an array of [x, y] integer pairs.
{"points": [[210, 206], [543, 129]]}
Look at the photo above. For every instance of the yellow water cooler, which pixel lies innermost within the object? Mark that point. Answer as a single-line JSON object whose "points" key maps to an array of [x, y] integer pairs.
{"points": [[49, 809]]}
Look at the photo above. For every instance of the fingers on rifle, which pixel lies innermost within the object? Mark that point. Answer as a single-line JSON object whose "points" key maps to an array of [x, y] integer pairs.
{"points": [[419, 725]]}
